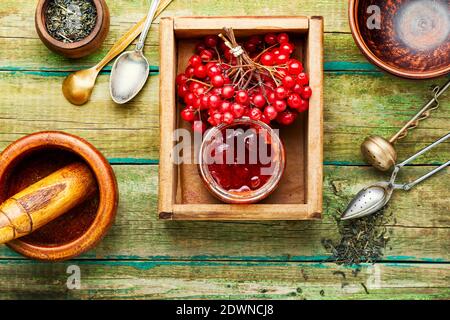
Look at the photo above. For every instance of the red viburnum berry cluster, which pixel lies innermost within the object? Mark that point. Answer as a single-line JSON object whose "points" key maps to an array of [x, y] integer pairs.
{"points": [[263, 83]]}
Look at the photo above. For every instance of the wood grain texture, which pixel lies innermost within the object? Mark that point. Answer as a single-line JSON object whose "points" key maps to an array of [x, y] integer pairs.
{"points": [[123, 12], [224, 280], [355, 106], [420, 232], [29, 54], [257, 260]]}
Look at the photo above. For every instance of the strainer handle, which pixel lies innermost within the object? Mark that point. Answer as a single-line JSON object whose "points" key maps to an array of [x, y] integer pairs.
{"points": [[408, 186], [423, 114], [418, 154]]}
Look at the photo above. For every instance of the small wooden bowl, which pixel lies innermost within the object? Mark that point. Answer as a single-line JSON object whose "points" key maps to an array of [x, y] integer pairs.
{"points": [[34, 157], [413, 38], [81, 48]]}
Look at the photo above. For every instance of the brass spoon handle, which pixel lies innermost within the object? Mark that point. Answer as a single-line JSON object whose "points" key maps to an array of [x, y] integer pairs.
{"points": [[423, 114], [128, 38]]}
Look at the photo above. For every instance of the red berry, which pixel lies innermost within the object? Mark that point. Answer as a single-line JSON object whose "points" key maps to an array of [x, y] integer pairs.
{"points": [[259, 100], [213, 70], [302, 79], [218, 118], [214, 101], [282, 58], [196, 102], [206, 55], [306, 93], [189, 98], [294, 66], [286, 118], [304, 105], [200, 47], [271, 97], [264, 119], [199, 91], [211, 121], [211, 41], [294, 101], [242, 97], [189, 71], [256, 40], [297, 88], [199, 126], [255, 114], [226, 80], [217, 81], [181, 79], [287, 48], [270, 84], [227, 54], [222, 46], [194, 85], [195, 60], [204, 102], [281, 93], [228, 118], [250, 47], [276, 51], [228, 92], [288, 82], [225, 106], [188, 114], [182, 90], [200, 71], [283, 37], [280, 105], [217, 91], [268, 59], [270, 112], [238, 110], [270, 39]]}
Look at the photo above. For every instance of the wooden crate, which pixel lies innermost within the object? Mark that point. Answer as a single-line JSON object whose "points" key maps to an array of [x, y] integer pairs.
{"points": [[182, 195]]}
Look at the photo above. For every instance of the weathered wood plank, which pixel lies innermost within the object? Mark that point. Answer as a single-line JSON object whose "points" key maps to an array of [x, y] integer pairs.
{"points": [[19, 14], [35, 102], [355, 106], [340, 51], [223, 280], [420, 233]]}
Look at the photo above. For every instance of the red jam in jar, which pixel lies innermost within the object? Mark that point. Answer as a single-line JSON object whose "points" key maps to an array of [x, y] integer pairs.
{"points": [[242, 162]]}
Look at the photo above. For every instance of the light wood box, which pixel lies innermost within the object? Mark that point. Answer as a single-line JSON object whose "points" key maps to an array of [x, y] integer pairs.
{"points": [[182, 195]]}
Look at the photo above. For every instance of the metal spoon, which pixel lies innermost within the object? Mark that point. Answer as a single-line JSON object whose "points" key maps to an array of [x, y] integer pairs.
{"points": [[77, 87], [373, 198], [131, 69]]}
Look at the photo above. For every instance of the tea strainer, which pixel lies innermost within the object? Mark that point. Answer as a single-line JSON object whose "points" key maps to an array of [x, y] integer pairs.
{"points": [[373, 198]]}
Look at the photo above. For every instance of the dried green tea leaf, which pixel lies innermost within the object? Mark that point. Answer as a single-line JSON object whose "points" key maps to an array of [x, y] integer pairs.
{"points": [[70, 20]]}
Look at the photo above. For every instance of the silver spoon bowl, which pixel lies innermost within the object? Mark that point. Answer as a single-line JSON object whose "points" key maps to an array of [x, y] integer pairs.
{"points": [[131, 69]]}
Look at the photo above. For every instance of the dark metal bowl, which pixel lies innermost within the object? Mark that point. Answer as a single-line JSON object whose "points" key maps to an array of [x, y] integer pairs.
{"points": [[412, 39]]}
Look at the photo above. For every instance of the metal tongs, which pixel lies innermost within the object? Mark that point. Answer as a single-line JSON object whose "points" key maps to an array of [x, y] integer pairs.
{"points": [[373, 198]]}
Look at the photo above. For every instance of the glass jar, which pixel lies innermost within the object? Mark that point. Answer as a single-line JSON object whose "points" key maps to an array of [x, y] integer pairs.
{"points": [[242, 162]]}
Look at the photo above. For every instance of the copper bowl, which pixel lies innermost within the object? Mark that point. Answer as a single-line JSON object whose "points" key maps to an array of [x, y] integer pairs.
{"points": [[411, 40], [80, 48], [36, 156]]}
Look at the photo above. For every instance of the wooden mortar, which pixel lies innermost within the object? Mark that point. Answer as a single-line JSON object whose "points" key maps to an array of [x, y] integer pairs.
{"points": [[38, 156]]}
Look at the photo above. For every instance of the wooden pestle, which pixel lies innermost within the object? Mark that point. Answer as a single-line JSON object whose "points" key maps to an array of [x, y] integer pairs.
{"points": [[45, 201]]}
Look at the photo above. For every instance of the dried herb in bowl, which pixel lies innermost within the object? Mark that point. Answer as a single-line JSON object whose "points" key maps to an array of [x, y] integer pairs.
{"points": [[70, 20]]}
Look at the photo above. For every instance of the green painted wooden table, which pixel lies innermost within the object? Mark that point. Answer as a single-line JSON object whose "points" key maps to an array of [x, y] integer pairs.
{"points": [[142, 257]]}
